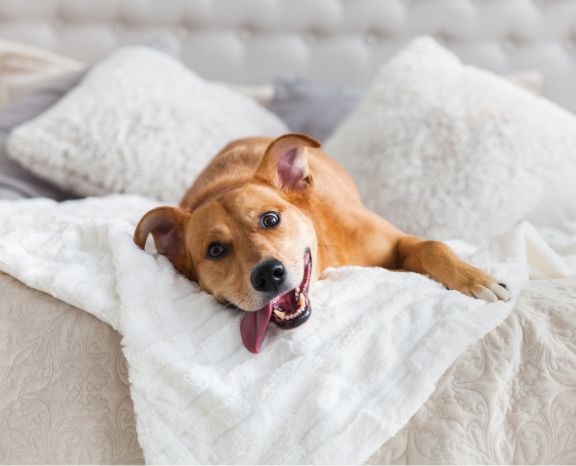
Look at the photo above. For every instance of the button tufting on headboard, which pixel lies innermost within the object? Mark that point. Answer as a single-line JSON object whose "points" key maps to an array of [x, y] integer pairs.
{"points": [[341, 41]]}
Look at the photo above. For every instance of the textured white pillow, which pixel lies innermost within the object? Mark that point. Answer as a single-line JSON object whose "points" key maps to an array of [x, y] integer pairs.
{"points": [[140, 122], [445, 150]]}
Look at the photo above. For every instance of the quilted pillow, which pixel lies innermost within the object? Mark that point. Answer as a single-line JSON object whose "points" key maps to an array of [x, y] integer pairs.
{"points": [[445, 150], [139, 122]]}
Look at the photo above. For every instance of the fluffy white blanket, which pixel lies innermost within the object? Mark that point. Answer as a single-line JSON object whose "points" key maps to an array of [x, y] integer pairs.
{"points": [[331, 391]]}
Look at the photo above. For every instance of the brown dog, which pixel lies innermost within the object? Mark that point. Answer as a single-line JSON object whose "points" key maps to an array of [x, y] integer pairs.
{"points": [[266, 217]]}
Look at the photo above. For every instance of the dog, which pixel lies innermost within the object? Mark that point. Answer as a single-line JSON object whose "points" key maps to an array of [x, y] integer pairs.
{"points": [[267, 216]]}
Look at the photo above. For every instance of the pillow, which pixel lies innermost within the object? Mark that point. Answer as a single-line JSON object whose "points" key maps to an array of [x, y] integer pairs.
{"points": [[15, 181], [557, 208], [445, 150], [139, 122], [311, 107], [23, 68], [317, 109]]}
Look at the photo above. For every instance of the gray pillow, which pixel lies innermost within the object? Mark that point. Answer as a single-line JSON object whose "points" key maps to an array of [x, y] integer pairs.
{"points": [[313, 108], [15, 181]]}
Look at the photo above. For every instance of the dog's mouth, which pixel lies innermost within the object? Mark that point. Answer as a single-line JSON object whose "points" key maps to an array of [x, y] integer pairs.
{"points": [[288, 310]]}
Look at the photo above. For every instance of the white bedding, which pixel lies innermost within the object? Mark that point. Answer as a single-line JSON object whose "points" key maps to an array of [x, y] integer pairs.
{"points": [[331, 392]]}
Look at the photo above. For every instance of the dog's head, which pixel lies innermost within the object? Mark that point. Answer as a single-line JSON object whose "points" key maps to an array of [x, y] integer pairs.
{"points": [[248, 242]]}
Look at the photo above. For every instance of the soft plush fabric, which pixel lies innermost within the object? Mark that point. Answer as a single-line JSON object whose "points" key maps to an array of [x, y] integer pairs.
{"points": [[331, 391], [445, 150], [317, 108], [139, 122], [557, 207], [16, 181], [24, 68]]}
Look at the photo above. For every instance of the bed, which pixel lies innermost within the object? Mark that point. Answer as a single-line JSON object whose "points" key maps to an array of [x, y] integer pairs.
{"points": [[510, 398]]}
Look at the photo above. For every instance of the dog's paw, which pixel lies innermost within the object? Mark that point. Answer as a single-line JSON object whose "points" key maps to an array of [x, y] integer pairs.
{"points": [[473, 282], [491, 292]]}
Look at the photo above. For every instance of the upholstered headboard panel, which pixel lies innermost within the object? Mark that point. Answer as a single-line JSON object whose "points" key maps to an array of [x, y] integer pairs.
{"points": [[344, 41]]}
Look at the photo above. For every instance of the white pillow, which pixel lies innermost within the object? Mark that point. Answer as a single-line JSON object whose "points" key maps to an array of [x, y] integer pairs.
{"points": [[140, 122], [445, 150], [557, 208]]}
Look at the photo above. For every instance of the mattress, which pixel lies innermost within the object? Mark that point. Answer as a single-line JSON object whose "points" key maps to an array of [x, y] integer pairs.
{"points": [[511, 398]]}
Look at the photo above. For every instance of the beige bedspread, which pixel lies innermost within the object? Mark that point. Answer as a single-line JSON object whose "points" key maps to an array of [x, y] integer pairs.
{"points": [[64, 395], [511, 398]]}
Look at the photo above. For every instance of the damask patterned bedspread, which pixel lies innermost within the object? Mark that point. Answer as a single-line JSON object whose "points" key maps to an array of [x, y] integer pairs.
{"points": [[511, 398], [64, 394]]}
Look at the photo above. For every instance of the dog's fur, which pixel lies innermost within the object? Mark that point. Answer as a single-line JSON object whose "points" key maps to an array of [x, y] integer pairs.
{"points": [[320, 209]]}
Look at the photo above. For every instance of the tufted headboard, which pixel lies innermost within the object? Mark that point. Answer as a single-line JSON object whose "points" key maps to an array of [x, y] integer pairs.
{"points": [[337, 41]]}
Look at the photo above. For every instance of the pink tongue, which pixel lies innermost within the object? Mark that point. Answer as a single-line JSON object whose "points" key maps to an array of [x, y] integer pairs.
{"points": [[253, 328]]}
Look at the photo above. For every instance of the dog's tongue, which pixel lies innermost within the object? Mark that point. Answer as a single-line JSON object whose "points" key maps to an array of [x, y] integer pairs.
{"points": [[253, 327]]}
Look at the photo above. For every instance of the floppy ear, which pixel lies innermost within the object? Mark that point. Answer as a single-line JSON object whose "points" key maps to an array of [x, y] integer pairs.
{"points": [[285, 162], [167, 225]]}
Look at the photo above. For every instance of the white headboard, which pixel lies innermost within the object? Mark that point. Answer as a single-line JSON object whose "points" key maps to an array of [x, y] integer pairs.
{"points": [[341, 41]]}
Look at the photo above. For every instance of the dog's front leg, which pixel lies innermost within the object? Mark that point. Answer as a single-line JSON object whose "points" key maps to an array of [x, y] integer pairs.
{"points": [[437, 260]]}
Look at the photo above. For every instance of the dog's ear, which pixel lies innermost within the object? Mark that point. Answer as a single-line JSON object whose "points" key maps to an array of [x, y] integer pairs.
{"points": [[285, 162], [167, 225]]}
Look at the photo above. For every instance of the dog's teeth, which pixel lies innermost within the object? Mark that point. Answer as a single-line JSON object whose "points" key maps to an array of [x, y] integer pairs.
{"points": [[279, 313]]}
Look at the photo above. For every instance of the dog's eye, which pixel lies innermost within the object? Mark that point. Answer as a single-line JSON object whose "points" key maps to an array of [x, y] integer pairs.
{"points": [[216, 250], [270, 220]]}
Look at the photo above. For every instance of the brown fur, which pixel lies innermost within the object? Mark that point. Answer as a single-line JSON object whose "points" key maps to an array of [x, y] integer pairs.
{"points": [[320, 208]]}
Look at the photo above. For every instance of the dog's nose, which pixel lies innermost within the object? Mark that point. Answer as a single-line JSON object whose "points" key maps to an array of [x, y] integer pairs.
{"points": [[268, 275]]}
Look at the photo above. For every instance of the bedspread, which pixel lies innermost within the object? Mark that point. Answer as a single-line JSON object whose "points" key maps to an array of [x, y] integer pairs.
{"points": [[64, 396], [510, 399]]}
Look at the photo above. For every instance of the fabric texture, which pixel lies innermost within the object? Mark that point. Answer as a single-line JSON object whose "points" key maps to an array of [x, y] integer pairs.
{"points": [[139, 122], [557, 207], [333, 391], [317, 108], [16, 181], [533, 385], [510, 398], [24, 68], [464, 152], [313, 108], [64, 391]]}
